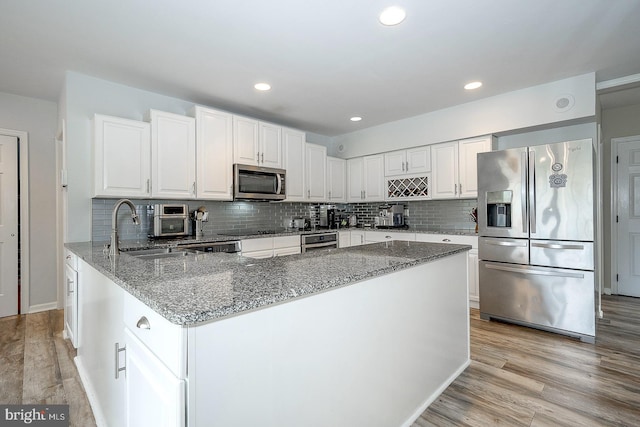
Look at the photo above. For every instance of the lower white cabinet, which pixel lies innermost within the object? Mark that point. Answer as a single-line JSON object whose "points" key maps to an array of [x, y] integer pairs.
{"points": [[474, 299], [71, 298], [357, 237], [344, 239], [154, 395], [100, 354], [386, 236], [268, 247]]}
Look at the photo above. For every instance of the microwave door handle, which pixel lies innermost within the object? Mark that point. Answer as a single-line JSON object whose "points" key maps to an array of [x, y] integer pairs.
{"points": [[279, 187], [532, 191], [523, 194]]}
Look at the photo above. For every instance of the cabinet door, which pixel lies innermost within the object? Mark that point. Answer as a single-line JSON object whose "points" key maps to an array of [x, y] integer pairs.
{"points": [[395, 163], [344, 239], [154, 395], [336, 180], [316, 169], [374, 178], [270, 145], [445, 170], [293, 145], [122, 157], [173, 155], [468, 150], [419, 160], [214, 154], [71, 304], [355, 180], [357, 238], [245, 141]]}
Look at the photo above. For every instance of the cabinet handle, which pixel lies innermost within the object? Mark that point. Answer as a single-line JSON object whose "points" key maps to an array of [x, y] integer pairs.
{"points": [[388, 237], [402, 166], [68, 256], [143, 323], [364, 194], [262, 156], [258, 157], [308, 194], [118, 350], [329, 195], [446, 240], [148, 186], [194, 188], [69, 287], [455, 189], [460, 186]]}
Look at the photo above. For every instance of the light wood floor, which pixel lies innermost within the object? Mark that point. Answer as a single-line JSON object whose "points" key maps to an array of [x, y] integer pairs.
{"points": [[36, 365], [518, 376]]}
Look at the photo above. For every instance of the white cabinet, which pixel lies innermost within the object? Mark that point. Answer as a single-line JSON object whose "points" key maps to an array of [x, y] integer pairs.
{"points": [[100, 357], [402, 162], [387, 236], [315, 172], [121, 157], [71, 298], [473, 278], [344, 238], [256, 143], [293, 147], [268, 247], [455, 168], [365, 177], [173, 155], [336, 180], [357, 237], [155, 367], [214, 154]]}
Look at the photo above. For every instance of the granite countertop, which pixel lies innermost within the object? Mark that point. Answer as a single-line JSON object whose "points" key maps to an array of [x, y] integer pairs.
{"points": [[211, 286]]}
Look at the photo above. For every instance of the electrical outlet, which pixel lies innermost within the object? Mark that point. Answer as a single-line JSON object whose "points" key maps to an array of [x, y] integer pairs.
{"points": [[406, 212]]}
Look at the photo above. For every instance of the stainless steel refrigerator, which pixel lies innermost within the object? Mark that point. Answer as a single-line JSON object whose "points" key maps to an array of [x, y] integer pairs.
{"points": [[536, 237]]}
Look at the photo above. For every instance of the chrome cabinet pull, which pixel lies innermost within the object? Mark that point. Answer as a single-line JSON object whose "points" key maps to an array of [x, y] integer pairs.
{"points": [[262, 156], [446, 240], [69, 287], [258, 157], [455, 189], [118, 350], [143, 323], [460, 185], [148, 185]]}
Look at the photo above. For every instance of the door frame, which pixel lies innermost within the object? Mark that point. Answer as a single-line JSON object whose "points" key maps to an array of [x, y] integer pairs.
{"points": [[614, 208], [23, 152]]}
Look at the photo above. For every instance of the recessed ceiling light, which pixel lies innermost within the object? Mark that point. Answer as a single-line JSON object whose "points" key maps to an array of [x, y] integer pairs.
{"points": [[355, 118], [262, 86], [392, 16], [472, 85]]}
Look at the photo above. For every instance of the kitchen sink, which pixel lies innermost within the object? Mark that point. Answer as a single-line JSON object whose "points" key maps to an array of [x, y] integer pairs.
{"points": [[160, 253]]}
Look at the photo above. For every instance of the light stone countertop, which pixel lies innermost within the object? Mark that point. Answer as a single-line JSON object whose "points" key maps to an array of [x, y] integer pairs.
{"points": [[211, 286]]}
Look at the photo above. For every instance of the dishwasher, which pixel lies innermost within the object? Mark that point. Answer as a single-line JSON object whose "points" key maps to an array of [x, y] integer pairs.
{"points": [[311, 242]]}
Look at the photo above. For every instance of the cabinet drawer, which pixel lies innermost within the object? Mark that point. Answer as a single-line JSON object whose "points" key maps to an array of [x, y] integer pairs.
{"points": [[252, 245], [71, 259], [448, 238], [286, 242], [165, 339]]}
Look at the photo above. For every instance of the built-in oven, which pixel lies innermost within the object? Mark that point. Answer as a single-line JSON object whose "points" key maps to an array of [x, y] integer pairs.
{"points": [[258, 183], [170, 220], [311, 242]]}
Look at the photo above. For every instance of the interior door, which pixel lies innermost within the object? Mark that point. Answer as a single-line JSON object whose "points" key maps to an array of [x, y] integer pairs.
{"points": [[8, 225], [628, 193]]}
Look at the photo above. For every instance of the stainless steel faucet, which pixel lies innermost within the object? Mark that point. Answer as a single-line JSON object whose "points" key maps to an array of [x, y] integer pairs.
{"points": [[113, 247]]}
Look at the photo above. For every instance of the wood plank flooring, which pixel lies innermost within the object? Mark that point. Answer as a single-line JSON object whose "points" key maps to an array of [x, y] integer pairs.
{"points": [[37, 365], [518, 376], [523, 377]]}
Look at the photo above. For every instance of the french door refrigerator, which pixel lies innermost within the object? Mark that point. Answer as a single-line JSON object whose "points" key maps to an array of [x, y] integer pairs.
{"points": [[536, 237]]}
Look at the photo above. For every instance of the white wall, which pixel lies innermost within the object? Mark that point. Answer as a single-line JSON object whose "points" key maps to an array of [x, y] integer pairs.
{"points": [[38, 119], [522, 109], [549, 136], [616, 123]]}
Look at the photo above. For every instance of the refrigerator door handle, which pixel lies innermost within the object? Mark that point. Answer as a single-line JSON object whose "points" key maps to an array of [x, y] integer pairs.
{"points": [[557, 246], [534, 272], [532, 191], [513, 244], [523, 194]]}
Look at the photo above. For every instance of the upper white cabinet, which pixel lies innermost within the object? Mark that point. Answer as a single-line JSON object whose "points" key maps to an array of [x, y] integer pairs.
{"points": [[315, 172], [293, 147], [336, 180], [365, 177], [256, 143], [214, 154], [455, 168], [173, 155], [122, 157], [402, 162]]}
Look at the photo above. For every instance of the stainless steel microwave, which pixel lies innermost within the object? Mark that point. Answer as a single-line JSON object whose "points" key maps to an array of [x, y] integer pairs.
{"points": [[258, 183]]}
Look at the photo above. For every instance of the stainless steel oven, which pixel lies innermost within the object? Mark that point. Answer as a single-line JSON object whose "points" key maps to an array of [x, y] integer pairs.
{"points": [[170, 220], [310, 242]]}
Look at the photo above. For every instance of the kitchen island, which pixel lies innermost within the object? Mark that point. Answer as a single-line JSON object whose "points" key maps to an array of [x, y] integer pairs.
{"points": [[368, 335]]}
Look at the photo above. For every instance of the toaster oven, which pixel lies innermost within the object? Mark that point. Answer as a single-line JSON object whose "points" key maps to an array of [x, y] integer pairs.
{"points": [[170, 220]]}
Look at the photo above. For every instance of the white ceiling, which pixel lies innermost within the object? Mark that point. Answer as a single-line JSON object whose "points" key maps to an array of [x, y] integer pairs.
{"points": [[326, 60]]}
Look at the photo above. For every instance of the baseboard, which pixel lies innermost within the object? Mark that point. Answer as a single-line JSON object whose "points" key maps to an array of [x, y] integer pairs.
{"points": [[435, 394], [43, 307]]}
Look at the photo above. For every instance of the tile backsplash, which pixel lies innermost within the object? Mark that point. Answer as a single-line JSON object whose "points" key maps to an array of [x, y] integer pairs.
{"points": [[433, 214]]}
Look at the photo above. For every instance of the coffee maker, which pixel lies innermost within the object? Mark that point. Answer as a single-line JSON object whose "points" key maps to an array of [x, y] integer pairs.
{"points": [[391, 216], [328, 217]]}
